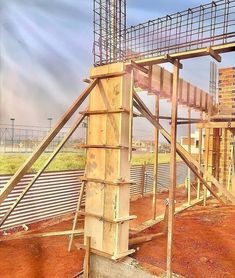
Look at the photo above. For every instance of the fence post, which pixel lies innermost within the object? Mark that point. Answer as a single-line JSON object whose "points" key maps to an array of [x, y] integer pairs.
{"points": [[143, 169]]}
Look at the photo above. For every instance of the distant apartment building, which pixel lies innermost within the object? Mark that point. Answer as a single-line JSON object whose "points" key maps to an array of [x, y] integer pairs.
{"points": [[194, 142], [227, 92], [226, 110]]}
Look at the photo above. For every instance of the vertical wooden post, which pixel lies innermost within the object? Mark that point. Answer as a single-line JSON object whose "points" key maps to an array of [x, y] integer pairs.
{"points": [[79, 203], [156, 135], [143, 178], [206, 160], [131, 115], [87, 258], [199, 158], [172, 167], [189, 150]]}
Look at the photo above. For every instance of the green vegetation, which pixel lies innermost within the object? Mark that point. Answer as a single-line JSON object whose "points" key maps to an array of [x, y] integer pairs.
{"points": [[9, 163], [148, 158]]}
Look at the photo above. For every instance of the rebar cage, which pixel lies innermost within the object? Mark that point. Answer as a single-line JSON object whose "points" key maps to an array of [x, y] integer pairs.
{"points": [[206, 25], [109, 31]]}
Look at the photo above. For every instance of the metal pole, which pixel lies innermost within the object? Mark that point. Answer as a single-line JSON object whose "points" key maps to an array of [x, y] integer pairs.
{"points": [[12, 133], [50, 121]]}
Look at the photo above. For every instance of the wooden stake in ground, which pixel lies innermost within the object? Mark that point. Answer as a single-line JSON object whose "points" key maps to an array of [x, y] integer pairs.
{"points": [[172, 167], [199, 159], [165, 220], [78, 208], [87, 258]]}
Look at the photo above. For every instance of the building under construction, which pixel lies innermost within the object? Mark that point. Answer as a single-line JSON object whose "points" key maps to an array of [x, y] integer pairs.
{"points": [[109, 237]]}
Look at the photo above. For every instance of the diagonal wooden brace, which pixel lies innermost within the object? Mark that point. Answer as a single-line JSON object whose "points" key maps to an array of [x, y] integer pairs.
{"points": [[44, 144], [46, 164], [187, 158]]}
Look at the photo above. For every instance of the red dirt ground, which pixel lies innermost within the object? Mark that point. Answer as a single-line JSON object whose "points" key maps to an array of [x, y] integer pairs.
{"points": [[204, 243], [203, 247], [40, 257]]}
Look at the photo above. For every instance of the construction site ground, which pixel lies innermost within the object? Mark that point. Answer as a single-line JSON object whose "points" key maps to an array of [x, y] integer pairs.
{"points": [[204, 244]]}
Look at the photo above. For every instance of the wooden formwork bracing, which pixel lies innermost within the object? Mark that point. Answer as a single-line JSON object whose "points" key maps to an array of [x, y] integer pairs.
{"points": [[108, 159]]}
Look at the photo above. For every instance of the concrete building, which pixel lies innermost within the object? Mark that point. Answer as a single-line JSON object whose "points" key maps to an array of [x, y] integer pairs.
{"points": [[194, 142]]}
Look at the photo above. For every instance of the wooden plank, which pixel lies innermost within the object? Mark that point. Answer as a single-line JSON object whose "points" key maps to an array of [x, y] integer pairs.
{"points": [[149, 223], [227, 124], [214, 54], [87, 258], [228, 47], [199, 158], [108, 201], [171, 60], [48, 234], [44, 144], [108, 75], [145, 238], [142, 184], [139, 67], [131, 114], [78, 208]]}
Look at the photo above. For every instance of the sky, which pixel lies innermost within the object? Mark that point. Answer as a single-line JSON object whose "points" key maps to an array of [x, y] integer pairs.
{"points": [[46, 52]]}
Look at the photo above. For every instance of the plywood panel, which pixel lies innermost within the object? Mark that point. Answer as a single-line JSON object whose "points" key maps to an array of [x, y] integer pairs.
{"points": [[108, 160]]}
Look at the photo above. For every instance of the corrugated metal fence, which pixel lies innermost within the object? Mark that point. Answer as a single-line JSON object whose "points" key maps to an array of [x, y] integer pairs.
{"points": [[56, 193]]}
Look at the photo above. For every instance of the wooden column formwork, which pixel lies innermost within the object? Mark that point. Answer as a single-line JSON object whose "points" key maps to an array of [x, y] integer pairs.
{"points": [[108, 167]]}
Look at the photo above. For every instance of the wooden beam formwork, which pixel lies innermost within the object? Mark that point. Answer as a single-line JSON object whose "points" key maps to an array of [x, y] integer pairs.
{"points": [[108, 160], [189, 160], [188, 54], [189, 94]]}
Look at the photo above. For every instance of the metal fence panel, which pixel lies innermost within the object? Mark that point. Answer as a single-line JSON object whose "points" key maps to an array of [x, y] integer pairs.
{"points": [[56, 193]]}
